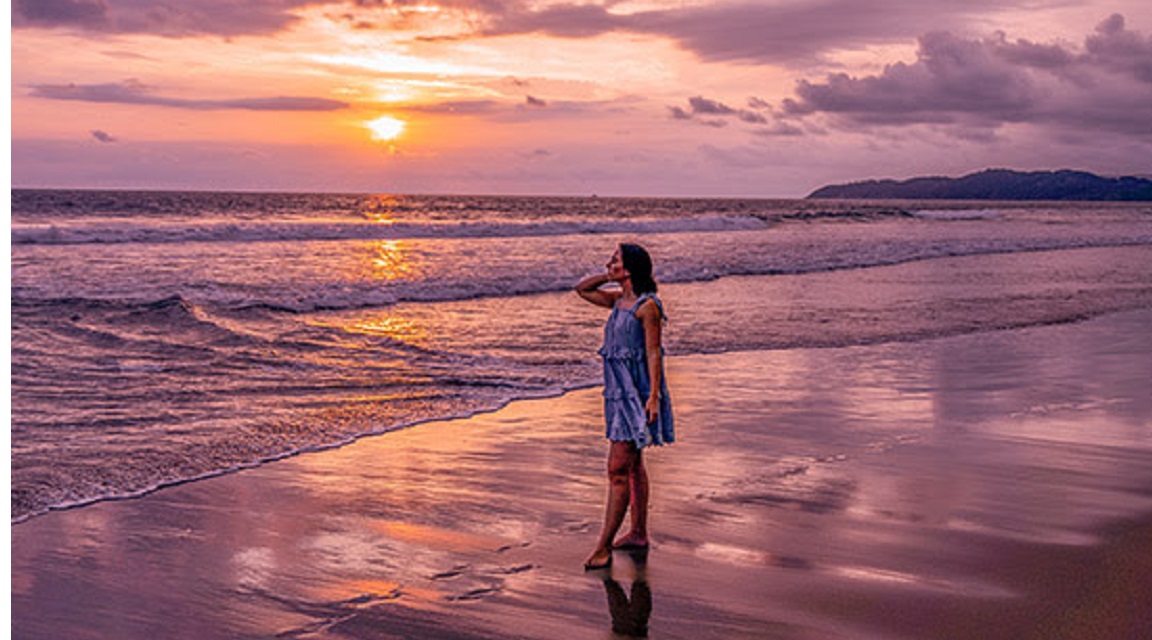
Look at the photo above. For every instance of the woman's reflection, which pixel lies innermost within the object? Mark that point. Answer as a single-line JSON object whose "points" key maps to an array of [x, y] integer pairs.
{"points": [[629, 614]]}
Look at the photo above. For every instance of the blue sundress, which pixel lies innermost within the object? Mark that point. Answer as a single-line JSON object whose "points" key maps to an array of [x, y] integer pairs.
{"points": [[626, 381]]}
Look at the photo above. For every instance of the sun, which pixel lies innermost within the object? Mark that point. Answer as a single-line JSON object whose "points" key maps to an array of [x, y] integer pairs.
{"points": [[386, 128]]}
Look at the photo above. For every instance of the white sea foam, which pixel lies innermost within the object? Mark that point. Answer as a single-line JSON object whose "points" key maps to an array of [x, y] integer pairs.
{"points": [[118, 232], [958, 214]]}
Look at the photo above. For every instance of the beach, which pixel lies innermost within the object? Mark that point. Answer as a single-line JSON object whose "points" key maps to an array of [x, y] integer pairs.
{"points": [[321, 416], [990, 485], [322, 314]]}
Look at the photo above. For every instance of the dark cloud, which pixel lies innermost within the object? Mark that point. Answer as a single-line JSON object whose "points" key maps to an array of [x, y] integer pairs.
{"points": [[564, 20], [951, 76], [1031, 54], [751, 117], [83, 13], [970, 87], [160, 17], [779, 129], [714, 110], [1115, 47], [759, 104], [102, 136], [134, 92], [700, 104], [745, 32], [533, 101]]}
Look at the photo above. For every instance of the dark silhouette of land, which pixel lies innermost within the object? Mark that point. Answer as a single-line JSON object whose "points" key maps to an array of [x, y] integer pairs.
{"points": [[999, 184]]}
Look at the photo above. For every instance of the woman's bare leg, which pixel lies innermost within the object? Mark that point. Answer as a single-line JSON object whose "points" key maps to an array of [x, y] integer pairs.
{"points": [[637, 536], [622, 457]]}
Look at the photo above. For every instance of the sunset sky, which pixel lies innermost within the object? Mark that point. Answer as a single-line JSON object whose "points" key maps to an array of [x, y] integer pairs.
{"points": [[694, 98]]}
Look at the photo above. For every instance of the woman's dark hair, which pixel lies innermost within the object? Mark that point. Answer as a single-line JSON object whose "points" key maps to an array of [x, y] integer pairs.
{"points": [[639, 265]]}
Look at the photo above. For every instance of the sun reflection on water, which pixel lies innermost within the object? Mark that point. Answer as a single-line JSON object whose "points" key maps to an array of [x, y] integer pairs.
{"points": [[391, 261], [381, 208], [391, 326]]}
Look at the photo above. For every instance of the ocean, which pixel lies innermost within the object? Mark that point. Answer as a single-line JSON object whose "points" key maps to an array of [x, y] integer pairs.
{"points": [[161, 337]]}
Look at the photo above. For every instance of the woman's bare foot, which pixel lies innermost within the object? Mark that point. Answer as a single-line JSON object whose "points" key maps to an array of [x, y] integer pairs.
{"points": [[600, 559], [631, 541]]}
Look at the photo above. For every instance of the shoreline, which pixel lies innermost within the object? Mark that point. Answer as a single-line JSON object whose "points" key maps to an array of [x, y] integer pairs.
{"points": [[924, 336], [883, 491], [256, 464]]}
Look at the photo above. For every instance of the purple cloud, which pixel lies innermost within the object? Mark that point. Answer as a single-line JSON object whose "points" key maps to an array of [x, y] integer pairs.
{"points": [[160, 17], [1119, 49], [973, 85], [53, 13], [779, 129], [746, 32], [564, 20], [701, 106], [134, 92], [102, 136], [759, 104], [751, 117]]}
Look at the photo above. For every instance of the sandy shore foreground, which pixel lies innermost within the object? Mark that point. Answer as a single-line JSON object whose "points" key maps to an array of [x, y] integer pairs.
{"points": [[996, 485]]}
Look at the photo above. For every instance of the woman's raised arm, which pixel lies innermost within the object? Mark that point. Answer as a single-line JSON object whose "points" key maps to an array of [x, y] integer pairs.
{"points": [[589, 289]]}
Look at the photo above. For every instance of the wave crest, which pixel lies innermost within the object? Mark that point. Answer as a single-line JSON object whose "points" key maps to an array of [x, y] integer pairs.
{"points": [[279, 231]]}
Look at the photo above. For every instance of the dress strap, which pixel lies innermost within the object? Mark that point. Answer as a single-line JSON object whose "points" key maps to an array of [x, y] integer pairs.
{"points": [[652, 297]]}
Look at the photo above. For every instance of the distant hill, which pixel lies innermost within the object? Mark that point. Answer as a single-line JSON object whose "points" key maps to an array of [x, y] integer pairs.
{"points": [[998, 184]]}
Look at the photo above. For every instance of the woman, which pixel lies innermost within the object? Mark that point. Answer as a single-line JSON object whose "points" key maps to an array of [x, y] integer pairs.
{"points": [[637, 409]]}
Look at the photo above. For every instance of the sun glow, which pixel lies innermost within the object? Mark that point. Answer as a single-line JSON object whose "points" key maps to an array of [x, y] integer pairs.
{"points": [[386, 128]]}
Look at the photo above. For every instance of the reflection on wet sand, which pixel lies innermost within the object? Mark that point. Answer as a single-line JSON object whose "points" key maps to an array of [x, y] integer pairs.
{"points": [[630, 610], [630, 613]]}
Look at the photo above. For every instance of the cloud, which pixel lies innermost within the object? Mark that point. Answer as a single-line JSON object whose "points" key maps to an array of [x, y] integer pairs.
{"points": [[1121, 50], [750, 32], [779, 129], [128, 55], [565, 20], [134, 92], [759, 104], [714, 111], [751, 117], [530, 109], [93, 13], [966, 86], [102, 136], [160, 17], [460, 107], [700, 104]]}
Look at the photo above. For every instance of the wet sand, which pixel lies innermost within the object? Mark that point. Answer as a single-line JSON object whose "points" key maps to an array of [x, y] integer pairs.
{"points": [[994, 485]]}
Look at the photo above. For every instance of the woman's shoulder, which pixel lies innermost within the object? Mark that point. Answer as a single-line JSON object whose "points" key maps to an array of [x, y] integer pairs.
{"points": [[648, 304]]}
